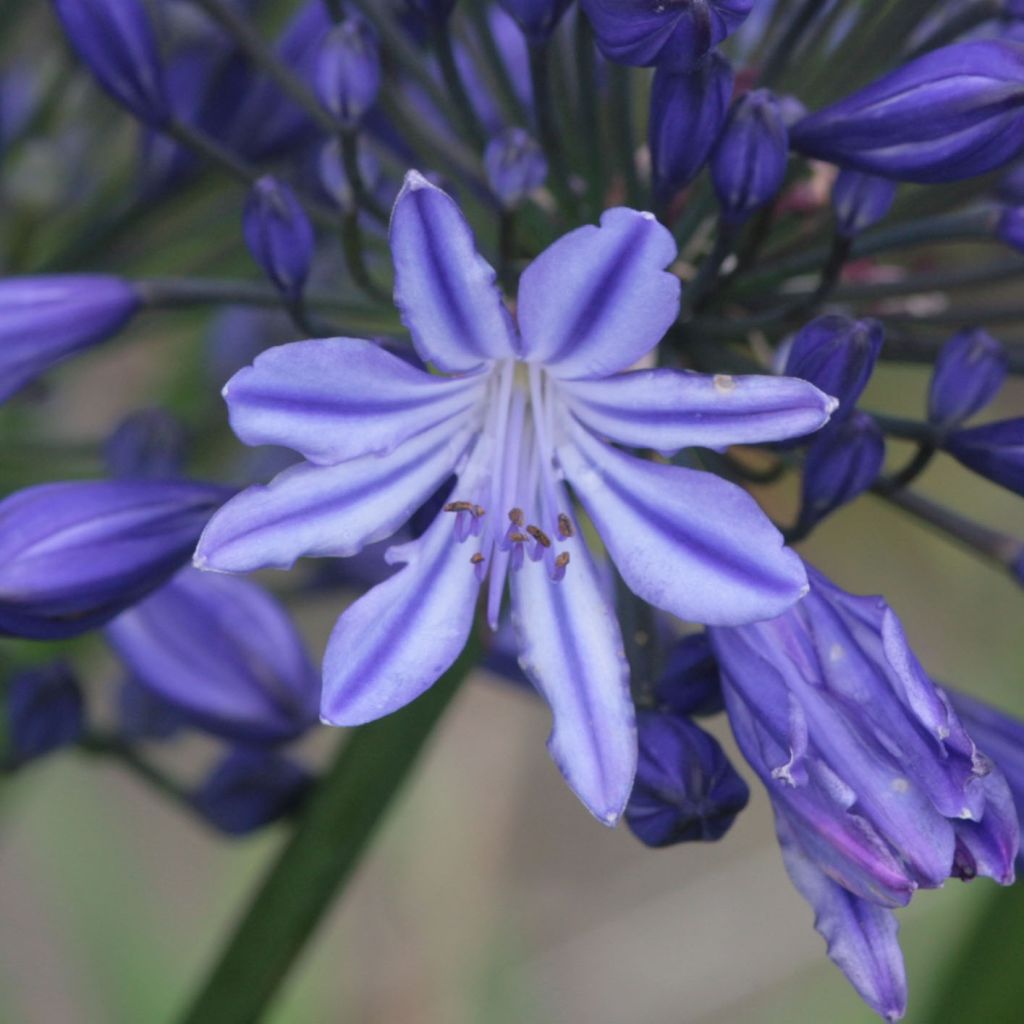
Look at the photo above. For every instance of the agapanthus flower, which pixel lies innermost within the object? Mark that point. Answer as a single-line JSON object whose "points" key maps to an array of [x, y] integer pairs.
{"points": [[994, 450], [525, 407], [44, 710], [969, 371]]}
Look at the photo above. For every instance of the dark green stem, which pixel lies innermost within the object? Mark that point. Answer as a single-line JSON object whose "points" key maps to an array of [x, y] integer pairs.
{"points": [[911, 471], [547, 129], [464, 111], [507, 250], [972, 14], [349, 142], [701, 288], [907, 430], [116, 748], [621, 113], [590, 121], [787, 40]]}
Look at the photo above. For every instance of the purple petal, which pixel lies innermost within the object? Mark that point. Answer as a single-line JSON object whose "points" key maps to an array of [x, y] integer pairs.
{"points": [[684, 541], [667, 410], [333, 399], [444, 288], [599, 298], [329, 510], [571, 650]]}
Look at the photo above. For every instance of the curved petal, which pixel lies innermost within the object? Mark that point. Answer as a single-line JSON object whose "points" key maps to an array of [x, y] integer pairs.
{"points": [[571, 650], [397, 640], [333, 399], [685, 541], [667, 410], [329, 510], [444, 288], [599, 298]]}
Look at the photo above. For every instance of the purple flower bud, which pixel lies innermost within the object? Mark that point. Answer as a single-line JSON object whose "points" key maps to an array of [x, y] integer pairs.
{"points": [[673, 34], [690, 684], [147, 445], [954, 113], [279, 235], [347, 74], [537, 18], [115, 39], [44, 320], [688, 110], [968, 373], [1010, 227], [749, 163], [860, 201], [45, 711], [73, 555], [249, 789], [686, 790], [144, 715], [841, 465], [242, 674], [837, 355], [995, 451], [515, 165]]}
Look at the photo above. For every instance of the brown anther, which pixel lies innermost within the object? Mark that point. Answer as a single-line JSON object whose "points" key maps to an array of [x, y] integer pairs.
{"points": [[565, 529], [562, 560], [517, 537], [479, 510], [539, 536], [516, 516], [459, 506], [477, 558]]}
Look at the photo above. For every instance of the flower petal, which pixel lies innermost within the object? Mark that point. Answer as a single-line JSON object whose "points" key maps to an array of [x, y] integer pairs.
{"points": [[685, 541], [444, 288], [333, 399], [599, 298], [329, 510], [571, 650], [667, 410]]}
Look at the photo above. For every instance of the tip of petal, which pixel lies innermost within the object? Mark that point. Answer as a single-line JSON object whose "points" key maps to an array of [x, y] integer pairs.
{"points": [[831, 404], [414, 180]]}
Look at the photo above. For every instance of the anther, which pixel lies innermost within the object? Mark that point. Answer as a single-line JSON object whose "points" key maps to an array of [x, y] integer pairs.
{"points": [[565, 528], [477, 558], [558, 570], [539, 536], [516, 516], [464, 506], [479, 565], [517, 538]]}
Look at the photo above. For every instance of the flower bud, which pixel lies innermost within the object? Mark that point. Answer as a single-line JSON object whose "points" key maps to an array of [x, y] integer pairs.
{"points": [[859, 201], [674, 35], [686, 790], [251, 788], [749, 163], [968, 373], [347, 75], [515, 165], [1010, 227], [147, 445], [837, 355], [45, 711], [46, 319], [841, 465], [73, 555], [690, 685], [995, 451], [279, 235], [537, 18], [115, 39], [243, 675], [688, 110], [953, 113]]}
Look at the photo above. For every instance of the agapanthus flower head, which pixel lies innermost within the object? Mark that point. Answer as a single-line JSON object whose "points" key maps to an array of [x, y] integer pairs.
{"points": [[347, 75], [993, 450], [673, 34], [116, 41], [969, 371], [147, 445], [46, 319], [515, 165], [953, 113], [524, 407], [279, 235], [686, 790], [748, 166], [688, 110], [859, 201], [44, 710], [537, 18]]}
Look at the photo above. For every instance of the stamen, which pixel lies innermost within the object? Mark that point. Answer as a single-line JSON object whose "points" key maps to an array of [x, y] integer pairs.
{"points": [[558, 572], [458, 506], [517, 538], [516, 556], [565, 527], [539, 536], [516, 516], [479, 566]]}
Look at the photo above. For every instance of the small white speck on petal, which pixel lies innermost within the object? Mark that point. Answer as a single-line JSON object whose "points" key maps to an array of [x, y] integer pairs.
{"points": [[900, 785], [724, 384]]}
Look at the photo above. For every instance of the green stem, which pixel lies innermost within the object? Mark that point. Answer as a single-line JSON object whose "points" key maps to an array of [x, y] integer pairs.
{"points": [[333, 831], [622, 120], [116, 748], [547, 129], [457, 88]]}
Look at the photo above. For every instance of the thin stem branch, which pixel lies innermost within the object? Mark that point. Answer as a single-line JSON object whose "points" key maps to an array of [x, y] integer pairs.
{"points": [[115, 747], [464, 111], [547, 128]]}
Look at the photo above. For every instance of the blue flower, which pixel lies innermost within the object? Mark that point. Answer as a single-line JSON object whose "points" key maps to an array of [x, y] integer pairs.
{"points": [[523, 409], [45, 711]]}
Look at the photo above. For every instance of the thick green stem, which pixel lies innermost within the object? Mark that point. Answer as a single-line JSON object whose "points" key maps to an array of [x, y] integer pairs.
{"points": [[332, 833]]}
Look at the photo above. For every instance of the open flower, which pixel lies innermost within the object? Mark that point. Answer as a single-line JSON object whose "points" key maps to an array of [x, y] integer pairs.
{"points": [[523, 409]]}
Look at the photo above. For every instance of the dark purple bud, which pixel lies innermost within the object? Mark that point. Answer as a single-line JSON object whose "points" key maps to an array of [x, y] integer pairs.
{"points": [[334, 177], [749, 163], [969, 371], [45, 711], [837, 355], [954, 113], [347, 74], [995, 451], [44, 320], [243, 674], [515, 165], [251, 788], [144, 715], [841, 465], [686, 790], [115, 39], [279, 235], [688, 110], [673, 34], [1010, 227], [73, 555], [147, 445], [689, 684], [860, 201], [537, 18]]}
